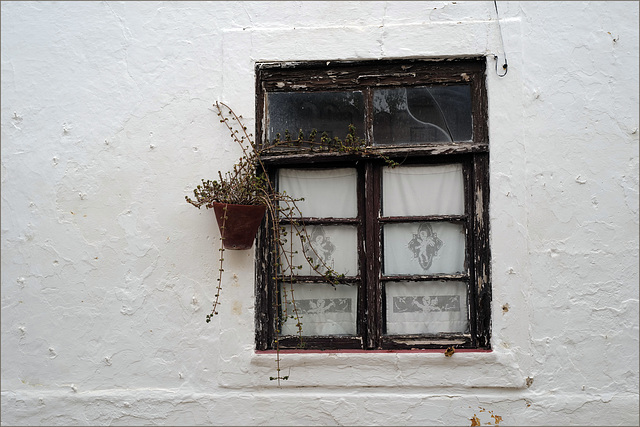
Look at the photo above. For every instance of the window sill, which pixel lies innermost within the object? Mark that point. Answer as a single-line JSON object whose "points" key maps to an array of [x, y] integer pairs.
{"points": [[462, 350], [419, 369]]}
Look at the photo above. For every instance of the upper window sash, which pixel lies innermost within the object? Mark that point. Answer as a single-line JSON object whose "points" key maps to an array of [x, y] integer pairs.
{"points": [[424, 77]]}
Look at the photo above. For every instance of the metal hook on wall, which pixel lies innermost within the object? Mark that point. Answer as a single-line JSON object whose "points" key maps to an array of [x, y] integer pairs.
{"points": [[505, 65]]}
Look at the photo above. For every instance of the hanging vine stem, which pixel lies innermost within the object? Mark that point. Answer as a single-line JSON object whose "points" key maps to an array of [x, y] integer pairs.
{"points": [[216, 300], [273, 215], [250, 181], [351, 144], [279, 320]]}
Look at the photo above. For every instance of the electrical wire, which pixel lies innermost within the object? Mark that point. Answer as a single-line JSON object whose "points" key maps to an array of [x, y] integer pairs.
{"points": [[505, 65]]}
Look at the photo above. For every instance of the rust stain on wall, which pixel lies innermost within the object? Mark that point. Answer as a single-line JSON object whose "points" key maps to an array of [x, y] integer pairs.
{"points": [[475, 421], [237, 308]]}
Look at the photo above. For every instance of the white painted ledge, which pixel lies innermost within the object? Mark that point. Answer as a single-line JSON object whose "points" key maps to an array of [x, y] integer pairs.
{"points": [[387, 370]]}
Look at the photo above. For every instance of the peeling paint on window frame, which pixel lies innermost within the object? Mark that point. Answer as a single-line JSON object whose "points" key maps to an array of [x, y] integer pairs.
{"points": [[474, 155]]}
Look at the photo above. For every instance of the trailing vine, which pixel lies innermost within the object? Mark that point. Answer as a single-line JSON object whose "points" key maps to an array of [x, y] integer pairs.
{"points": [[352, 144], [248, 183], [216, 300]]}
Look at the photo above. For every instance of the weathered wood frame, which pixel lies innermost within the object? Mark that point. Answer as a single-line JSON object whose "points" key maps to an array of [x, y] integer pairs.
{"points": [[474, 156]]}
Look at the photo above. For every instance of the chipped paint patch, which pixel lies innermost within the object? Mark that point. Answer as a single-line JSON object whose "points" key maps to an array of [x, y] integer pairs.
{"points": [[495, 419]]}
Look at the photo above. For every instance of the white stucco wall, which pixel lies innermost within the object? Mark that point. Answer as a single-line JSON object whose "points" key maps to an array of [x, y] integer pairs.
{"points": [[107, 273]]}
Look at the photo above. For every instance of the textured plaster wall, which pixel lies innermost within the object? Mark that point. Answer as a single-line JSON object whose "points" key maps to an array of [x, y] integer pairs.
{"points": [[107, 274]]}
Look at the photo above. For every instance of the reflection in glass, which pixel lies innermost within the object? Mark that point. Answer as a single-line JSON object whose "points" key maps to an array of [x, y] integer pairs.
{"points": [[327, 193], [424, 248], [425, 307], [330, 112], [323, 309], [423, 190], [418, 115]]}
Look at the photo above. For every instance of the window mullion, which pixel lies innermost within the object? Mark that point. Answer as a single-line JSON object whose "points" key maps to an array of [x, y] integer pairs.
{"points": [[368, 115], [372, 250]]}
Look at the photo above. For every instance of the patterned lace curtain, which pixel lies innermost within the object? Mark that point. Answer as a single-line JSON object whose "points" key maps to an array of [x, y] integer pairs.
{"points": [[324, 309], [424, 248], [408, 248]]}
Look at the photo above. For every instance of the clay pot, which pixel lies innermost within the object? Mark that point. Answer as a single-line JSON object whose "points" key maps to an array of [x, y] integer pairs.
{"points": [[241, 225]]}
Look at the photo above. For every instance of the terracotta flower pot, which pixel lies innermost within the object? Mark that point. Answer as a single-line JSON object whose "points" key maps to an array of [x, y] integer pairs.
{"points": [[241, 225]]}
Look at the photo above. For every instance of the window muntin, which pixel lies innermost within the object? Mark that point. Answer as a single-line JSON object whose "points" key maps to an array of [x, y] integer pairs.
{"points": [[401, 116], [452, 295], [329, 208]]}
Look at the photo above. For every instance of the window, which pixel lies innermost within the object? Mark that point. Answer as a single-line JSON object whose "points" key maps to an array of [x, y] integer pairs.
{"points": [[411, 240]]}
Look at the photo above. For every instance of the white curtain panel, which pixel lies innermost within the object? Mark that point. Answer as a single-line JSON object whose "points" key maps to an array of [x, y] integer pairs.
{"points": [[424, 248], [332, 246], [425, 307], [327, 193], [422, 190], [323, 309]]}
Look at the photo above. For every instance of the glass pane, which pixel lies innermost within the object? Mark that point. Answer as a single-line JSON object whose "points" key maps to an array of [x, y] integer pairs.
{"points": [[330, 112], [328, 246], [424, 248], [423, 190], [327, 193], [418, 115], [323, 309], [425, 307]]}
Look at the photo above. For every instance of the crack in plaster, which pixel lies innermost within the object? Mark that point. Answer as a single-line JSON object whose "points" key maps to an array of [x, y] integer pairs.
{"points": [[383, 31]]}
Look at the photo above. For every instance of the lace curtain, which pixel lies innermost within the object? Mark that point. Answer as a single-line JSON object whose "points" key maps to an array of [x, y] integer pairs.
{"points": [[332, 246], [327, 193], [422, 190], [408, 248], [323, 309], [425, 307]]}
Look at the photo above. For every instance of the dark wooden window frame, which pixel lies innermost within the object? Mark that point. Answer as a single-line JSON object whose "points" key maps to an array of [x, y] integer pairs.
{"points": [[474, 156]]}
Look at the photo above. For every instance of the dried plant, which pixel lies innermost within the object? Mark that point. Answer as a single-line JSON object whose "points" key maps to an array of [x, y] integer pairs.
{"points": [[248, 183]]}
